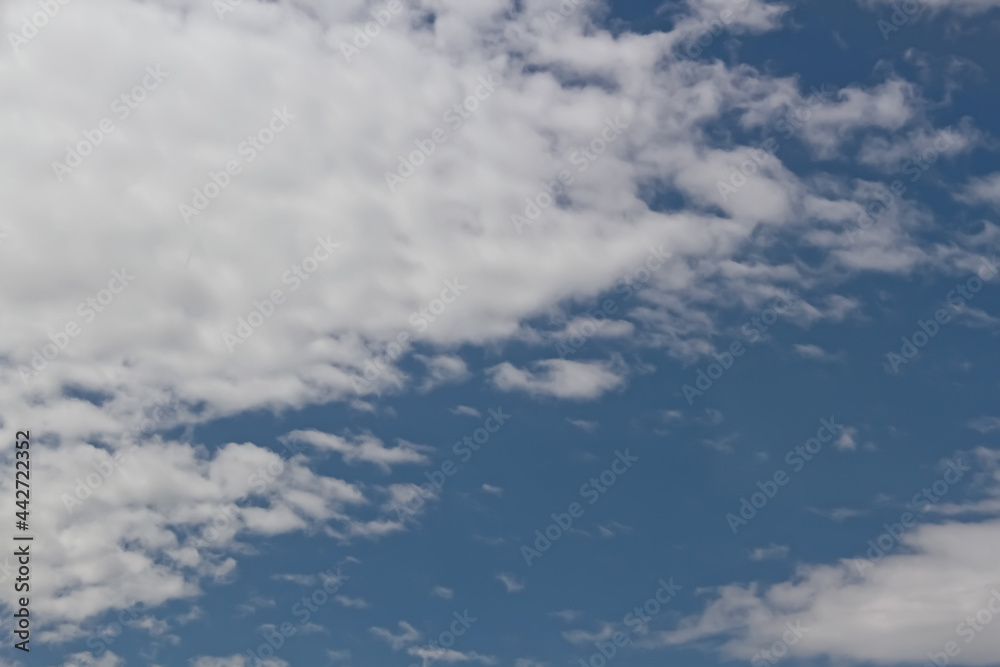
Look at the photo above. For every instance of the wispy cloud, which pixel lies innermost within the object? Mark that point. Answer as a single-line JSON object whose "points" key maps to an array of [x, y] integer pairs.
{"points": [[511, 582]]}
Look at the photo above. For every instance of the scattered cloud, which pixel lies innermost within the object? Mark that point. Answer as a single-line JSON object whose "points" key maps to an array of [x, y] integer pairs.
{"points": [[510, 582], [409, 635], [561, 378]]}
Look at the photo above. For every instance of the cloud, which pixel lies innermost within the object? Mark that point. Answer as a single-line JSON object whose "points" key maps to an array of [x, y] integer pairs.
{"points": [[982, 191], [584, 425], [985, 425], [772, 552], [339, 656], [362, 448], [109, 659], [351, 603], [408, 635], [909, 602], [584, 638], [441, 370], [816, 353], [847, 441], [235, 661], [560, 378], [566, 615], [920, 146], [960, 6], [431, 655], [511, 582], [442, 592], [838, 514], [493, 490], [466, 411]]}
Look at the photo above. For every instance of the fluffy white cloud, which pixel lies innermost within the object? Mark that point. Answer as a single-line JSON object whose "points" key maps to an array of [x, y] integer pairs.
{"points": [[561, 378]]}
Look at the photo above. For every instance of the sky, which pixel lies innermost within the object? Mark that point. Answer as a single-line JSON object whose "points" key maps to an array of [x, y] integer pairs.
{"points": [[522, 333]]}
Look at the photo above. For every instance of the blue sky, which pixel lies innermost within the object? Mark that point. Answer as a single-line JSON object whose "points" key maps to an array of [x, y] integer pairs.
{"points": [[731, 388]]}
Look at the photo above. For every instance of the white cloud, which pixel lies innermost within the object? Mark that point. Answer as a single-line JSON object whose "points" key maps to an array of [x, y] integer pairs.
{"points": [[442, 592], [985, 425], [364, 447], [511, 582], [351, 603], [584, 638], [923, 146], [772, 552], [584, 425], [847, 441], [838, 514], [560, 378], [493, 490], [442, 369], [566, 615], [960, 6], [431, 655], [816, 353], [107, 659], [465, 411], [893, 609], [408, 635], [235, 661], [982, 191]]}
